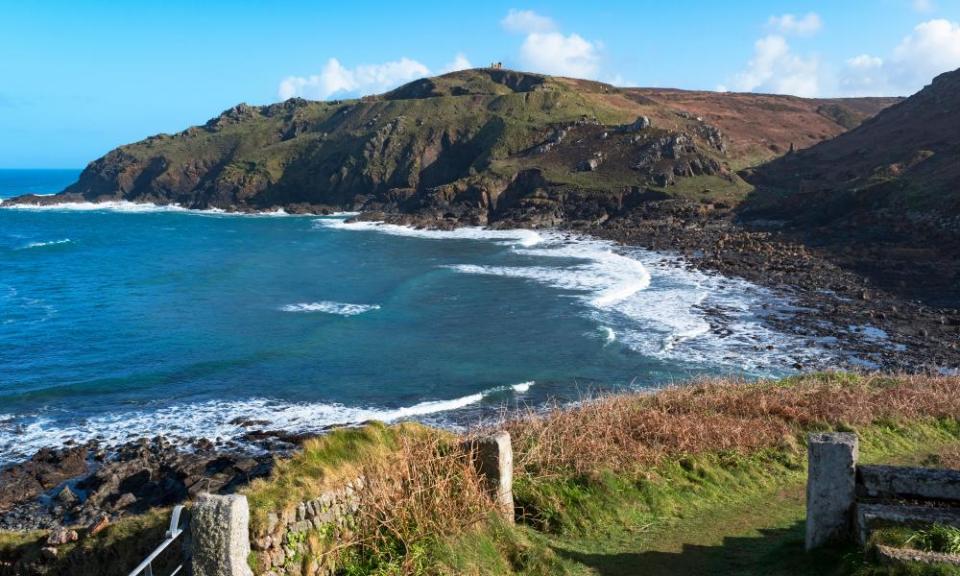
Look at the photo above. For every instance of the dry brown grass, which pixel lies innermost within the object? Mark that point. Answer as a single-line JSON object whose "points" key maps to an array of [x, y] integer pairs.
{"points": [[623, 433], [425, 488]]}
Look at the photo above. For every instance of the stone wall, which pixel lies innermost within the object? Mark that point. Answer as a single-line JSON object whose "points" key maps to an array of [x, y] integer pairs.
{"points": [[306, 539], [301, 541]]}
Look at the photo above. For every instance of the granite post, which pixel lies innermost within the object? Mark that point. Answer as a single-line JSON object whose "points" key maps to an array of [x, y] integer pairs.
{"points": [[220, 533], [831, 487], [494, 461]]}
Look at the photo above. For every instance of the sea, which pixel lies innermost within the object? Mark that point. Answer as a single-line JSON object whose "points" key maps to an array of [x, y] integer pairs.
{"points": [[125, 320]]}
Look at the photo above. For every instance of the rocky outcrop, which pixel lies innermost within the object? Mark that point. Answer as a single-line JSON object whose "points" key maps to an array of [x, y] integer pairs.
{"points": [[55, 487], [46, 470]]}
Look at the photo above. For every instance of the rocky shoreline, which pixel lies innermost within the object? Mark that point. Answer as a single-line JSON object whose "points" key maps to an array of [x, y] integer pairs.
{"points": [[877, 329], [91, 485], [882, 330]]}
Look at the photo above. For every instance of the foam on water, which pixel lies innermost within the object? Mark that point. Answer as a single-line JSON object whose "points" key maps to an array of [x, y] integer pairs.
{"points": [[125, 206], [655, 304], [48, 243], [112, 206], [513, 237], [339, 308], [609, 335], [20, 436], [523, 387]]}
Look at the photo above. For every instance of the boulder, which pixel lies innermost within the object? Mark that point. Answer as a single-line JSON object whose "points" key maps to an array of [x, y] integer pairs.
{"points": [[61, 536]]}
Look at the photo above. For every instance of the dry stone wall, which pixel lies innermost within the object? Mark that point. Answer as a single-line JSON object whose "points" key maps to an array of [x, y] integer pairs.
{"points": [[301, 541]]}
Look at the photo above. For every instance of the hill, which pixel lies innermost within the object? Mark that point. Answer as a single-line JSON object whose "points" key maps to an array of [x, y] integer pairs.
{"points": [[892, 184], [477, 147]]}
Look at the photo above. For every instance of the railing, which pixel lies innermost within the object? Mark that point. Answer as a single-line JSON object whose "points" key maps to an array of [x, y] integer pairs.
{"points": [[146, 567]]}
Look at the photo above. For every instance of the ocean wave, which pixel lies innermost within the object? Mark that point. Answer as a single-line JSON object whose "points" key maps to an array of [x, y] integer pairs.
{"points": [[339, 308], [20, 439], [48, 243], [511, 237], [653, 303], [663, 309], [112, 206], [609, 335], [125, 206], [523, 387]]}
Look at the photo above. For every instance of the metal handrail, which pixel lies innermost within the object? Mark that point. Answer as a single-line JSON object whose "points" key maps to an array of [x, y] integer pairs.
{"points": [[146, 567]]}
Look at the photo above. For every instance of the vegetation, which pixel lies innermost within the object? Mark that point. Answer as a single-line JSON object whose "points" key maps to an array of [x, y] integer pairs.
{"points": [[930, 538], [622, 479], [706, 478], [112, 552]]}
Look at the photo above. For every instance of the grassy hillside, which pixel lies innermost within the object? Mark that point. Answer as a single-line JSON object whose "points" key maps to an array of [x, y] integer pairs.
{"points": [[476, 146]]}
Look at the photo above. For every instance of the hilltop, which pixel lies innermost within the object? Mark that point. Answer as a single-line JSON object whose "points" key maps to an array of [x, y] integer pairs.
{"points": [[476, 147]]}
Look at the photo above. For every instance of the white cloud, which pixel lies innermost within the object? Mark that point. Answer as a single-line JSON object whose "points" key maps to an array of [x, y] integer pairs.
{"points": [[547, 50], [459, 62], [792, 25], [863, 75], [527, 22], [335, 78], [865, 62], [555, 53], [924, 6], [931, 49], [775, 68]]}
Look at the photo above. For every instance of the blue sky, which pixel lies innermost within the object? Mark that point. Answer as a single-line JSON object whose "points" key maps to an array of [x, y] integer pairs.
{"points": [[79, 78]]}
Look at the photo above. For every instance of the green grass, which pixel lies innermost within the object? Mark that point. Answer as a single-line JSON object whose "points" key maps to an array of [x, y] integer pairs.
{"points": [[324, 463], [113, 552], [708, 514], [930, 538]]}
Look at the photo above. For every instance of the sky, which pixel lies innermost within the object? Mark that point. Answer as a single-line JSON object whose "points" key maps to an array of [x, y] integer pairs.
{"points": [[79, 78]]}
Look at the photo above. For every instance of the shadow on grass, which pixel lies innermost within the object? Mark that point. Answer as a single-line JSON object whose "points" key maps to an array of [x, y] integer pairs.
{"points": [[772, 552]]}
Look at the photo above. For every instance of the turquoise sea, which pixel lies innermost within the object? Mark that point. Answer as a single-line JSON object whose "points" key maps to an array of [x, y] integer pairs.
{"points": [[125, 320]]}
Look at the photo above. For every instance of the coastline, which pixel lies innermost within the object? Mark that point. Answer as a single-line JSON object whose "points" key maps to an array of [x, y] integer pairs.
{"points": [[883, 330], [869, 324]]}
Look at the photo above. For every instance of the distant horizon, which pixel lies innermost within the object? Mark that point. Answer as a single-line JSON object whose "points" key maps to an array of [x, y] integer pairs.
{"points": [[28, 168]]}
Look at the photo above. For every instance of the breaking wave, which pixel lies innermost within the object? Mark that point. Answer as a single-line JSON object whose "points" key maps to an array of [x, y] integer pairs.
{"points": [[512, 237], [215, 420], [125, 206], [651, 303], [48, 243], [339, 308]]}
